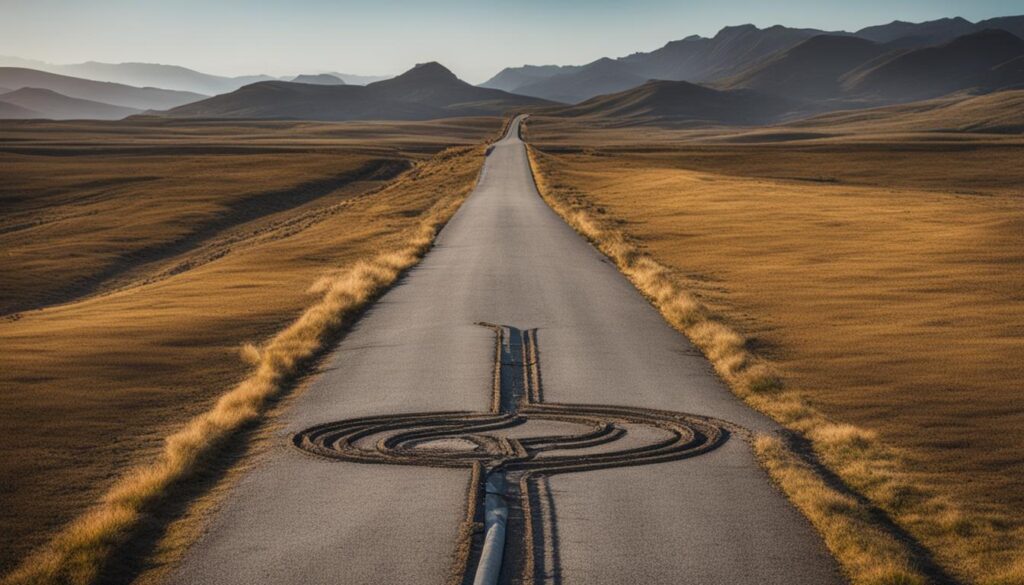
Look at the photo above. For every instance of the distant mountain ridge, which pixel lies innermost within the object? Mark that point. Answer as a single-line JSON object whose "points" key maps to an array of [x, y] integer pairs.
{"points": [[601, 77], [114, 94], [808, 70], [970, 61], [825, 72], [939, 31], [45, 103], [173, 77], [738, 53], [812, 69], [427, 91], [855, 72], [694, 59], [512, 77]]}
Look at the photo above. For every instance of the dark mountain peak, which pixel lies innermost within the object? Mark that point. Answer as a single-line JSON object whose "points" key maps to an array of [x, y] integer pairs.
{"points": [[432, 71], [924, 33], [987, 37], [735, 31], [936, 22], [681, 44], [604, 64]]}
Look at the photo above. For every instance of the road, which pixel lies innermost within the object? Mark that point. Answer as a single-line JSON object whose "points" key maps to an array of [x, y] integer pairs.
{"points": [[505, 258]]}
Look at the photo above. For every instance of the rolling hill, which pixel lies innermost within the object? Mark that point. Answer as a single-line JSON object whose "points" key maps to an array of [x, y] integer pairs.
{"points": [[302, 101], [976, 61], [52, 105], [601, 77], [424, 92], [681, 102], [116, 94], [14, 112], [157, 75], [433, 85], [998, 112], [812, 69]]}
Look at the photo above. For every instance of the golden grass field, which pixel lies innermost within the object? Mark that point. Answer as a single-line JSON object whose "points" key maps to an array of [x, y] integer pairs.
{"points": [[880, 275], [131, 248]]}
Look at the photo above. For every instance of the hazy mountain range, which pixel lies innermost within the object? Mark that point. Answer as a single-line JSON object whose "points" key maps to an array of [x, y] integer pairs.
{"points": [[742, 75], [164, 76], [319, 79], [44, 103], [115, 94]]}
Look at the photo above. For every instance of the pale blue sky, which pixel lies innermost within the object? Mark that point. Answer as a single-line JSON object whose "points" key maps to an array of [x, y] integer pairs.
{"points": [[473, 38]]}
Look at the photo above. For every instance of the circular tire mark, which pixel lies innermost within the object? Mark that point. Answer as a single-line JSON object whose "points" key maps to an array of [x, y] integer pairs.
{"points": [[460, 439], [503, 449]]}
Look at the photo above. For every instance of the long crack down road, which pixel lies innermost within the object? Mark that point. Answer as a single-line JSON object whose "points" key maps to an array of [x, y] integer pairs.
{"points": [[513, 411]]}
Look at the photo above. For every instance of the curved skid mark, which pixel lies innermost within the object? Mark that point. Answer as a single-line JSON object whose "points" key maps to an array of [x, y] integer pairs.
{"points": [[518, 467]]}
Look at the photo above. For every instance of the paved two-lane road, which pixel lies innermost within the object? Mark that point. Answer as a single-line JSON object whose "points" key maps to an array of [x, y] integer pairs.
{"points": [[506, 258]]}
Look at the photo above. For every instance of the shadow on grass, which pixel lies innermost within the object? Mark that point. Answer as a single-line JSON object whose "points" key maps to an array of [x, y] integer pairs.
{"points": [[133, 555], [921, 557]]}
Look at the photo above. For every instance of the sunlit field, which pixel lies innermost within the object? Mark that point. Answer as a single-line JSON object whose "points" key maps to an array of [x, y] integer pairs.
{"points": [[140, 257], [880, 274]]}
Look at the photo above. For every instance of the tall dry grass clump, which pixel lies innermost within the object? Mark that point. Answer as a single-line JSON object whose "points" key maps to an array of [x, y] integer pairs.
{"points": [[867, 551], [869, 554], [80, 552]]}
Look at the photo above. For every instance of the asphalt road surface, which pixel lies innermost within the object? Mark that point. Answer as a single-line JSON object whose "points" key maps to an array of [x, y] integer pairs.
{"points": [[506, 258]]}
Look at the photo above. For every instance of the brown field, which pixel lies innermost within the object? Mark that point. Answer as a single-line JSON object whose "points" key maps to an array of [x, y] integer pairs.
{"points": [[881, 274], [130, 248]]}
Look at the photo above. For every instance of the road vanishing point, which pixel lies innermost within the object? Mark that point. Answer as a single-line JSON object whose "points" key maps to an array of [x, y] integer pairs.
{"points": [[511, 411]]}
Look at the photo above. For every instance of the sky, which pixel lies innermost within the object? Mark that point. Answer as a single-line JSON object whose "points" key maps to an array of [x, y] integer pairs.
{"points": [[473, 38]]}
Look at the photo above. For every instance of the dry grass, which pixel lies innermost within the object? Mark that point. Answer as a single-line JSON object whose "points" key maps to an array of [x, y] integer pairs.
{"points": [[839, 301], [870, 554], [73, 380], [64, 230], [81, 550], [863, 554]]}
